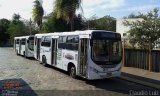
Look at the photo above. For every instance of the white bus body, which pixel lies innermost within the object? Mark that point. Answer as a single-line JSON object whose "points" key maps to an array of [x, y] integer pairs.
{"points": [[37, 44], [92, 54], [24, 46], [19, 47]]}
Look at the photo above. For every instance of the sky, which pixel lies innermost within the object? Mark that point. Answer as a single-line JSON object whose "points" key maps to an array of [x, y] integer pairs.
{"points": [[98, 8]]}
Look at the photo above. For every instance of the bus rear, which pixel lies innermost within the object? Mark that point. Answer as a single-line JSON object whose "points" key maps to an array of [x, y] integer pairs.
{"points": [[30, 46], [105, 55]]}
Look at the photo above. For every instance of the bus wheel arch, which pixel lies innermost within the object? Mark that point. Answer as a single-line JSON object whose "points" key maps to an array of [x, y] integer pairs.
{"points": [[71, 70]]}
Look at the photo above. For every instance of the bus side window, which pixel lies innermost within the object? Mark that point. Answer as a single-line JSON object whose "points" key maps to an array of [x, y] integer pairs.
{"points": [[23, 41], [46, 41], [17, 41], [62, 42], [72, 42]]}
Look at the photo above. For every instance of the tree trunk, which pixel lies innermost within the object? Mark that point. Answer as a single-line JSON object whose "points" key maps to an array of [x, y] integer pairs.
{"points": [[150, 57], [123, 60], [72, 23]]}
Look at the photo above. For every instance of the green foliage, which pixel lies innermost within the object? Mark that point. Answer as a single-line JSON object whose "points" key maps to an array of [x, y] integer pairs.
{"points": [[16, 17], [134, 16], [59, 25], [17, 28], [104, 23], [66, 9], [145, 32], [37, 13], [4, 36], [55, 25]]}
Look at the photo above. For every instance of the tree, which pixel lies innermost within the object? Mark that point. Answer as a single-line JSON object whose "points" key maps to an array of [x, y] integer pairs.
{"points": [[79, 23], [55, 25], [146, 32], [104, 23], [17, 28], [30, 27], [37, 13], [4, 36], [59, 25], [66, 9], [16, 17]]}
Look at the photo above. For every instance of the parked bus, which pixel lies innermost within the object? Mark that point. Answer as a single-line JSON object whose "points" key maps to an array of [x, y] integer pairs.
{"points": [[19, 45], [37, 44], [24, 46], [92, 54]]}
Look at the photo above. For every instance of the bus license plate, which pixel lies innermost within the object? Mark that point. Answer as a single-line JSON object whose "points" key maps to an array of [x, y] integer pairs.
{"points": [[109, 74]]}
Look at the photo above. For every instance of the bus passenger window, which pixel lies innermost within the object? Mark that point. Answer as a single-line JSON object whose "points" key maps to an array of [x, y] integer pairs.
{"points": [[72, 42], [62, 42], [46, 41]]}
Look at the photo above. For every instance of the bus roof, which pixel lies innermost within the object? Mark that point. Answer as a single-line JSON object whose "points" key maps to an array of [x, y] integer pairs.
{"points": [[21, 37], [81, 33]]}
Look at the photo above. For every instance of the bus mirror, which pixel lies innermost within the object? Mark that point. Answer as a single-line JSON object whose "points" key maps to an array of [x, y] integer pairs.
{"points": [[27, 41]]}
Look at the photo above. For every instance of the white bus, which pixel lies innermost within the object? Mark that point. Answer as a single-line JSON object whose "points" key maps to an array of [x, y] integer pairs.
{"points": [[19, 45], [24, 46], [92, 54], [37, 44]]}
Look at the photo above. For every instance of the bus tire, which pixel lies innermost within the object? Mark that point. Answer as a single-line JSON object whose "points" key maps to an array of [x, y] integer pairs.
{"points": [[44, 63], [72, 71]]}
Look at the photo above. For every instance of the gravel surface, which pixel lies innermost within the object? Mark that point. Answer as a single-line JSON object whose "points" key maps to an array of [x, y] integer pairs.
{"points": [[33, 76]]}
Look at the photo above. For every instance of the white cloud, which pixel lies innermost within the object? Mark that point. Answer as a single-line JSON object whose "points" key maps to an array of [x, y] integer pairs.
{"points": [[23, 7], [48, 6], [142, 9], [9, 7], [90, 6]]}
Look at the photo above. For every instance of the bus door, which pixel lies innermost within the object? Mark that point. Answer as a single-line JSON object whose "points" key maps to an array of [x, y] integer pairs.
{"points": [[38, 47], [54, 52], [83, 56], [20, 47]]}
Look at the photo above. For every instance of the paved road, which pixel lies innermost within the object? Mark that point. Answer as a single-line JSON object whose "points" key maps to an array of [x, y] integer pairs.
{"points": [[29, 74]]}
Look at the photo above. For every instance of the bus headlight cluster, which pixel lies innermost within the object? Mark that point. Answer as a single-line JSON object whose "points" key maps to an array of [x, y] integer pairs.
{"points": [[94, 70]]}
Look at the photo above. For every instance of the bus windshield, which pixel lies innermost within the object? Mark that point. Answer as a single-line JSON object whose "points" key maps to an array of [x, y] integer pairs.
{"points": [[106, 51]]}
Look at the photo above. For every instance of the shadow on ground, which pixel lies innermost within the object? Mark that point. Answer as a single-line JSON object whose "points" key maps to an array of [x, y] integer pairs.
{"points": [[15, 87], [116, 84]]}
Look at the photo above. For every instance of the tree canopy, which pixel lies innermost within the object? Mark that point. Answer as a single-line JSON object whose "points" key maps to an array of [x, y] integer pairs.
{"points": [[145, 32], [66, 9], [17, 28], [105, 23], [59, 25], [37, 13], [4, 36]]}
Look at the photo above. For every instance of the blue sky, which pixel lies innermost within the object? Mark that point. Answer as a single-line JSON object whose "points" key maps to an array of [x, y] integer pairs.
{"points": [[120, 8], [99, 8]]}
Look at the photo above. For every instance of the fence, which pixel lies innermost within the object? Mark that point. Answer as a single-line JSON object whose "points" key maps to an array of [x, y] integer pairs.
{"points": [[138, 58]]}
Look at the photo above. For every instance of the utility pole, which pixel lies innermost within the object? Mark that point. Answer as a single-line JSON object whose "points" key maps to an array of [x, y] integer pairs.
{"points": [[30, 26], [124, 37]]}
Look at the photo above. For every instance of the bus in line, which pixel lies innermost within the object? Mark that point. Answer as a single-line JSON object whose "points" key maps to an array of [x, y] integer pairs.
{"points": [[91, 54], [37, 44], [24, 46]]}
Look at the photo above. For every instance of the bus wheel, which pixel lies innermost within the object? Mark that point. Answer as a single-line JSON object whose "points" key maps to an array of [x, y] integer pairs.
{"points": [[44, 63], [72, 72]]}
